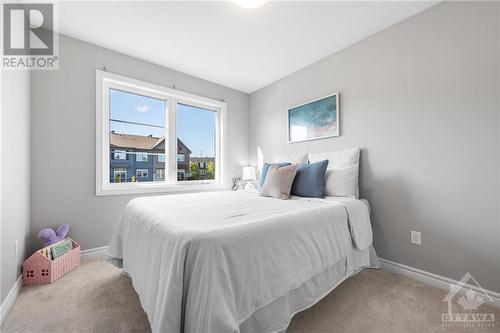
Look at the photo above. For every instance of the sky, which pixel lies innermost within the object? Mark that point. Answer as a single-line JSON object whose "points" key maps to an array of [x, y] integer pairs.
{"points": [[195, 126]]}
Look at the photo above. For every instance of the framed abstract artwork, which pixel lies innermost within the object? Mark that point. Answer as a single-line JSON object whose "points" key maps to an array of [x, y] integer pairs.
{"points": [[314, 120]]}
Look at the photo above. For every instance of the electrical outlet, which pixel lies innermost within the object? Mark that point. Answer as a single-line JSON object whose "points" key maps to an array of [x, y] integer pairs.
{"points": [[416, 237], [16, 245]]}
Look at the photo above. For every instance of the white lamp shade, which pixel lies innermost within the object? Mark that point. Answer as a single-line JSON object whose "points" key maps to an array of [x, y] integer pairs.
{"points": [[249, 173]]}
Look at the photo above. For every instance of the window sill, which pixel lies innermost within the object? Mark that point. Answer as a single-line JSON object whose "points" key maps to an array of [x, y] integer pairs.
{"points": [[141, 188]]}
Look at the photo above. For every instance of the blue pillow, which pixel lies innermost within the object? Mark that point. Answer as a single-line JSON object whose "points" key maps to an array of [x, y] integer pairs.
{"points": [[310, 180], [265, 169]]}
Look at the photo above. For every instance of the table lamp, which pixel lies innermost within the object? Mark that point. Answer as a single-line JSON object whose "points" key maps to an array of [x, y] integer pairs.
{"points": [[249, 177]]}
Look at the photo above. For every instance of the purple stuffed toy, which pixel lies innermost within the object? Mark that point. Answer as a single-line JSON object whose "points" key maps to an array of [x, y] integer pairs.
{"points": [[49, 236]]}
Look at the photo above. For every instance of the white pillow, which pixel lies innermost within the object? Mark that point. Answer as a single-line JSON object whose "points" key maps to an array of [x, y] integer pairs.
{"points": [[337, 159], [341, 177], [342, 182], [292, 158]]}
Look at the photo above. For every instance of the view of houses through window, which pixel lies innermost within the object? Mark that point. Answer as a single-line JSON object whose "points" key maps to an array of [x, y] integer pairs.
{"points": [[137, 139], [195, 143]]}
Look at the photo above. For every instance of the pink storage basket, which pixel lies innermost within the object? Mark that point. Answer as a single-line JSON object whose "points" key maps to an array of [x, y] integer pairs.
{"points": [[38, 269]]}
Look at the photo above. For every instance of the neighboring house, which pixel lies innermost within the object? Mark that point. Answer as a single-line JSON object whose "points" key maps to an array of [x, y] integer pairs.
{"points": [[183, 158], [142, 157], [202, 163]]}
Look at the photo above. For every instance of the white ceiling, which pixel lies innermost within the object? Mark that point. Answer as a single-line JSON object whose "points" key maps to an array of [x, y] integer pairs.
{"points": [[245, 49]]}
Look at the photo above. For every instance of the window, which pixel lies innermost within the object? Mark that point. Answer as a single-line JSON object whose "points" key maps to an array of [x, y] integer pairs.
{"points": [[136, 122], [141, 173], [196, 130], [119, 155], [141, 157], [159, 174], [154, 123], [181, 158], [120, 175]]}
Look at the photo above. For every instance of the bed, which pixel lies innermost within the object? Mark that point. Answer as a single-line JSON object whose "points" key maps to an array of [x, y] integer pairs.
{"points": [[238, 262]]}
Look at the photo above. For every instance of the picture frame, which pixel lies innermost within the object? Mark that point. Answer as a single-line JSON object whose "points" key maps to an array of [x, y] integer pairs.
{"points": [[314, 120]]}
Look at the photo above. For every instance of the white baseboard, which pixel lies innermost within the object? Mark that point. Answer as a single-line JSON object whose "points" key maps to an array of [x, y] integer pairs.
{"points": [[95, 253], [9, 301], [434, 280]]}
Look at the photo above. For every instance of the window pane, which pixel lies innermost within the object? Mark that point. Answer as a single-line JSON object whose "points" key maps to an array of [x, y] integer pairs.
{"points": [[120, 154], [195, 143], [141, 173], [137, 137], [119, 175], [159, 174]]}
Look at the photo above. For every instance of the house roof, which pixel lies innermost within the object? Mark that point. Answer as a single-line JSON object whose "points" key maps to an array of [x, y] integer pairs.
{"points": [[202, 159], [138, 141], [134, 141], [179, 142]]}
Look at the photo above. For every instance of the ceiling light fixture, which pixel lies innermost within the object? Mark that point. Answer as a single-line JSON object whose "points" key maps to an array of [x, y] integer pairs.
{"points": [[250, 3]]}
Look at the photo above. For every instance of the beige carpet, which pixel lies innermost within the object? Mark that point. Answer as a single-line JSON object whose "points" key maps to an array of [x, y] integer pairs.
{"points": [[96, 297]]}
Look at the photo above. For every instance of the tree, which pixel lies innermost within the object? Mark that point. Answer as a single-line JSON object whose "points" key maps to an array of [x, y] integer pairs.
{"points": [[211, 170], [195, 172]]}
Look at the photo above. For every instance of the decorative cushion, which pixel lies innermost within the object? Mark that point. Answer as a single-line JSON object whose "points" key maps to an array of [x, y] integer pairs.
{"points": [[310, 180], [265, 169], [292, 158], [342, 173], [279, 181]]}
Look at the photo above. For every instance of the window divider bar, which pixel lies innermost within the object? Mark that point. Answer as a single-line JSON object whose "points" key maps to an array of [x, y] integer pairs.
{"points": [[171, 131]]}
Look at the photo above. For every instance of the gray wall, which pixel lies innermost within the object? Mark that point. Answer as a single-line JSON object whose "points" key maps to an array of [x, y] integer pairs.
{"points": [[15, 175], [421, 99], [63, 138]]}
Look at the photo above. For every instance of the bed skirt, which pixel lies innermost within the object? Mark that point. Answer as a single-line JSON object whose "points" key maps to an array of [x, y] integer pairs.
{"points": [[276, 316]]}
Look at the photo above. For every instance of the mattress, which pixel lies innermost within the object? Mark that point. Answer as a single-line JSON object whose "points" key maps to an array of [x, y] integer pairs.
{"points": [[226, 261]]}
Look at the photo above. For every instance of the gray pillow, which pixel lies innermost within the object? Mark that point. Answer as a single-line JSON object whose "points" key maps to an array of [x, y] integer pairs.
{"points": [[279, 182]]}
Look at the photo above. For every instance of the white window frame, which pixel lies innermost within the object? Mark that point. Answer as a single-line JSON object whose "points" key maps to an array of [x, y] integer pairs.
{"points": [[141, 154], [183, 160], [119, 151], [155, 175], [142, 173], [114, 173], [106, 81]]}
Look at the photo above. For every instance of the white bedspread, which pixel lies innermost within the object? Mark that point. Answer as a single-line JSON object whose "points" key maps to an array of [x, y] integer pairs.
{"points": [[205, 262]]}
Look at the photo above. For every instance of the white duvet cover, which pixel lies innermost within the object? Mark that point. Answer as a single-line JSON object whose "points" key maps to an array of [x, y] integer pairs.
{"points": [[206, 262]]}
